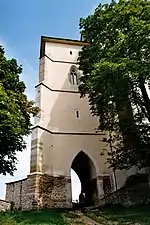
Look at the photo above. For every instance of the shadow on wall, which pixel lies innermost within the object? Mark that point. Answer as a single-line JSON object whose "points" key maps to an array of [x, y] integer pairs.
{"points": [[67, 145], [59, 118]]}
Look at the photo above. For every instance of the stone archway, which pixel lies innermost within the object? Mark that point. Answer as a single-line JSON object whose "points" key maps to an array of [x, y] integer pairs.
{"points": [[85, 169]]}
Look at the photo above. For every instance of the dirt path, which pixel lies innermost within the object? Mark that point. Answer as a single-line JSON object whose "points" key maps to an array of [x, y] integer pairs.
{"points": [[78, 218], [89, 221]]}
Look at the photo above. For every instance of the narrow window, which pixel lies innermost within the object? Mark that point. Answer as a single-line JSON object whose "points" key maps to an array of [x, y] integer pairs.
{"points": [[75, 79], [73, 76], [77, 114], [70, 52]]}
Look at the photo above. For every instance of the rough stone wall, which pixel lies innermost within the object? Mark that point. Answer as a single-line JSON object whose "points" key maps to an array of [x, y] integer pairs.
{"points": [[23, 193], [16, 193], [52, 191], [132, 195], [43, 191], [106, 185], [4, 206], [31, 200], [9, 192], [39, 191]]}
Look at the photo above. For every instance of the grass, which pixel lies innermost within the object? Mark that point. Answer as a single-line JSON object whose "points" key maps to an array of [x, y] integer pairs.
{"points": [[110, 215], [45, 217], [119, 215]]}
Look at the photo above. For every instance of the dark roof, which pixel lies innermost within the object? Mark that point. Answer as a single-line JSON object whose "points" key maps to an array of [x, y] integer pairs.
{"points": [[59, 41]]}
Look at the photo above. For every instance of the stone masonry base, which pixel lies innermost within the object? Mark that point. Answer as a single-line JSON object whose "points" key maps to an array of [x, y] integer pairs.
{"points": [[4, 206], [40, 191]]}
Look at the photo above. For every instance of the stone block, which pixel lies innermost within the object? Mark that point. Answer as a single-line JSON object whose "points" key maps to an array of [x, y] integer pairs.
{"points": [[4, 206]]}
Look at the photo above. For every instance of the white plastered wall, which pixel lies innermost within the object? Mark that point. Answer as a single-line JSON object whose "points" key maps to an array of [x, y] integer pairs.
{"points": [[58, 115]]}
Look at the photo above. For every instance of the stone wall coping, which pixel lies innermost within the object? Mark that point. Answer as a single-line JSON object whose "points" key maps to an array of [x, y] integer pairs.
{"points": [[2, 200], [17, 181], [36, 173]]}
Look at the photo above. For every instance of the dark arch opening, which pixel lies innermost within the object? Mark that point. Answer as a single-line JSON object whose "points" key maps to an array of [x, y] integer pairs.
{"points": [[85, 169]]}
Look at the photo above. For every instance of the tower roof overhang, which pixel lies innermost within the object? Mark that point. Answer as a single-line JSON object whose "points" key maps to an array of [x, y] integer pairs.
{"points": [[45, 39]]}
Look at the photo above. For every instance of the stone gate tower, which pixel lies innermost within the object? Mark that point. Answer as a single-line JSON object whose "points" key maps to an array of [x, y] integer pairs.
{"points": [[64, 135]]}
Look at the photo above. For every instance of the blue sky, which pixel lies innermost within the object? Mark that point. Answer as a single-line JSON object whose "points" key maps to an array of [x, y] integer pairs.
{"points": [[22, 23]]}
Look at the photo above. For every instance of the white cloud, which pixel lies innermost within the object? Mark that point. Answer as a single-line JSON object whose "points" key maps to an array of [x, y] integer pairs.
{"points": [[23, 157]]}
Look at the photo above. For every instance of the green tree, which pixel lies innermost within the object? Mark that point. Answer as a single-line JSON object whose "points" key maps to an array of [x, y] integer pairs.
{"points": [[15, 112], [116, 67]]}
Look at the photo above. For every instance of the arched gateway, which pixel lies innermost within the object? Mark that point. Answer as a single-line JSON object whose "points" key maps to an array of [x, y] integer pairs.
{"points": [[86, 171], [64, 135]]}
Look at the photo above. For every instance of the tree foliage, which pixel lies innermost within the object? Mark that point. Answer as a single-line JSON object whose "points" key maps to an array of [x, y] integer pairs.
{"points": [[116, 67], [15, 112]]}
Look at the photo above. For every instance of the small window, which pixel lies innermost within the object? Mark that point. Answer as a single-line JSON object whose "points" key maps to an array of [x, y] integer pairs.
{"points": [[74, 79], [70, 52], [77, 113], [73, 76]]}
